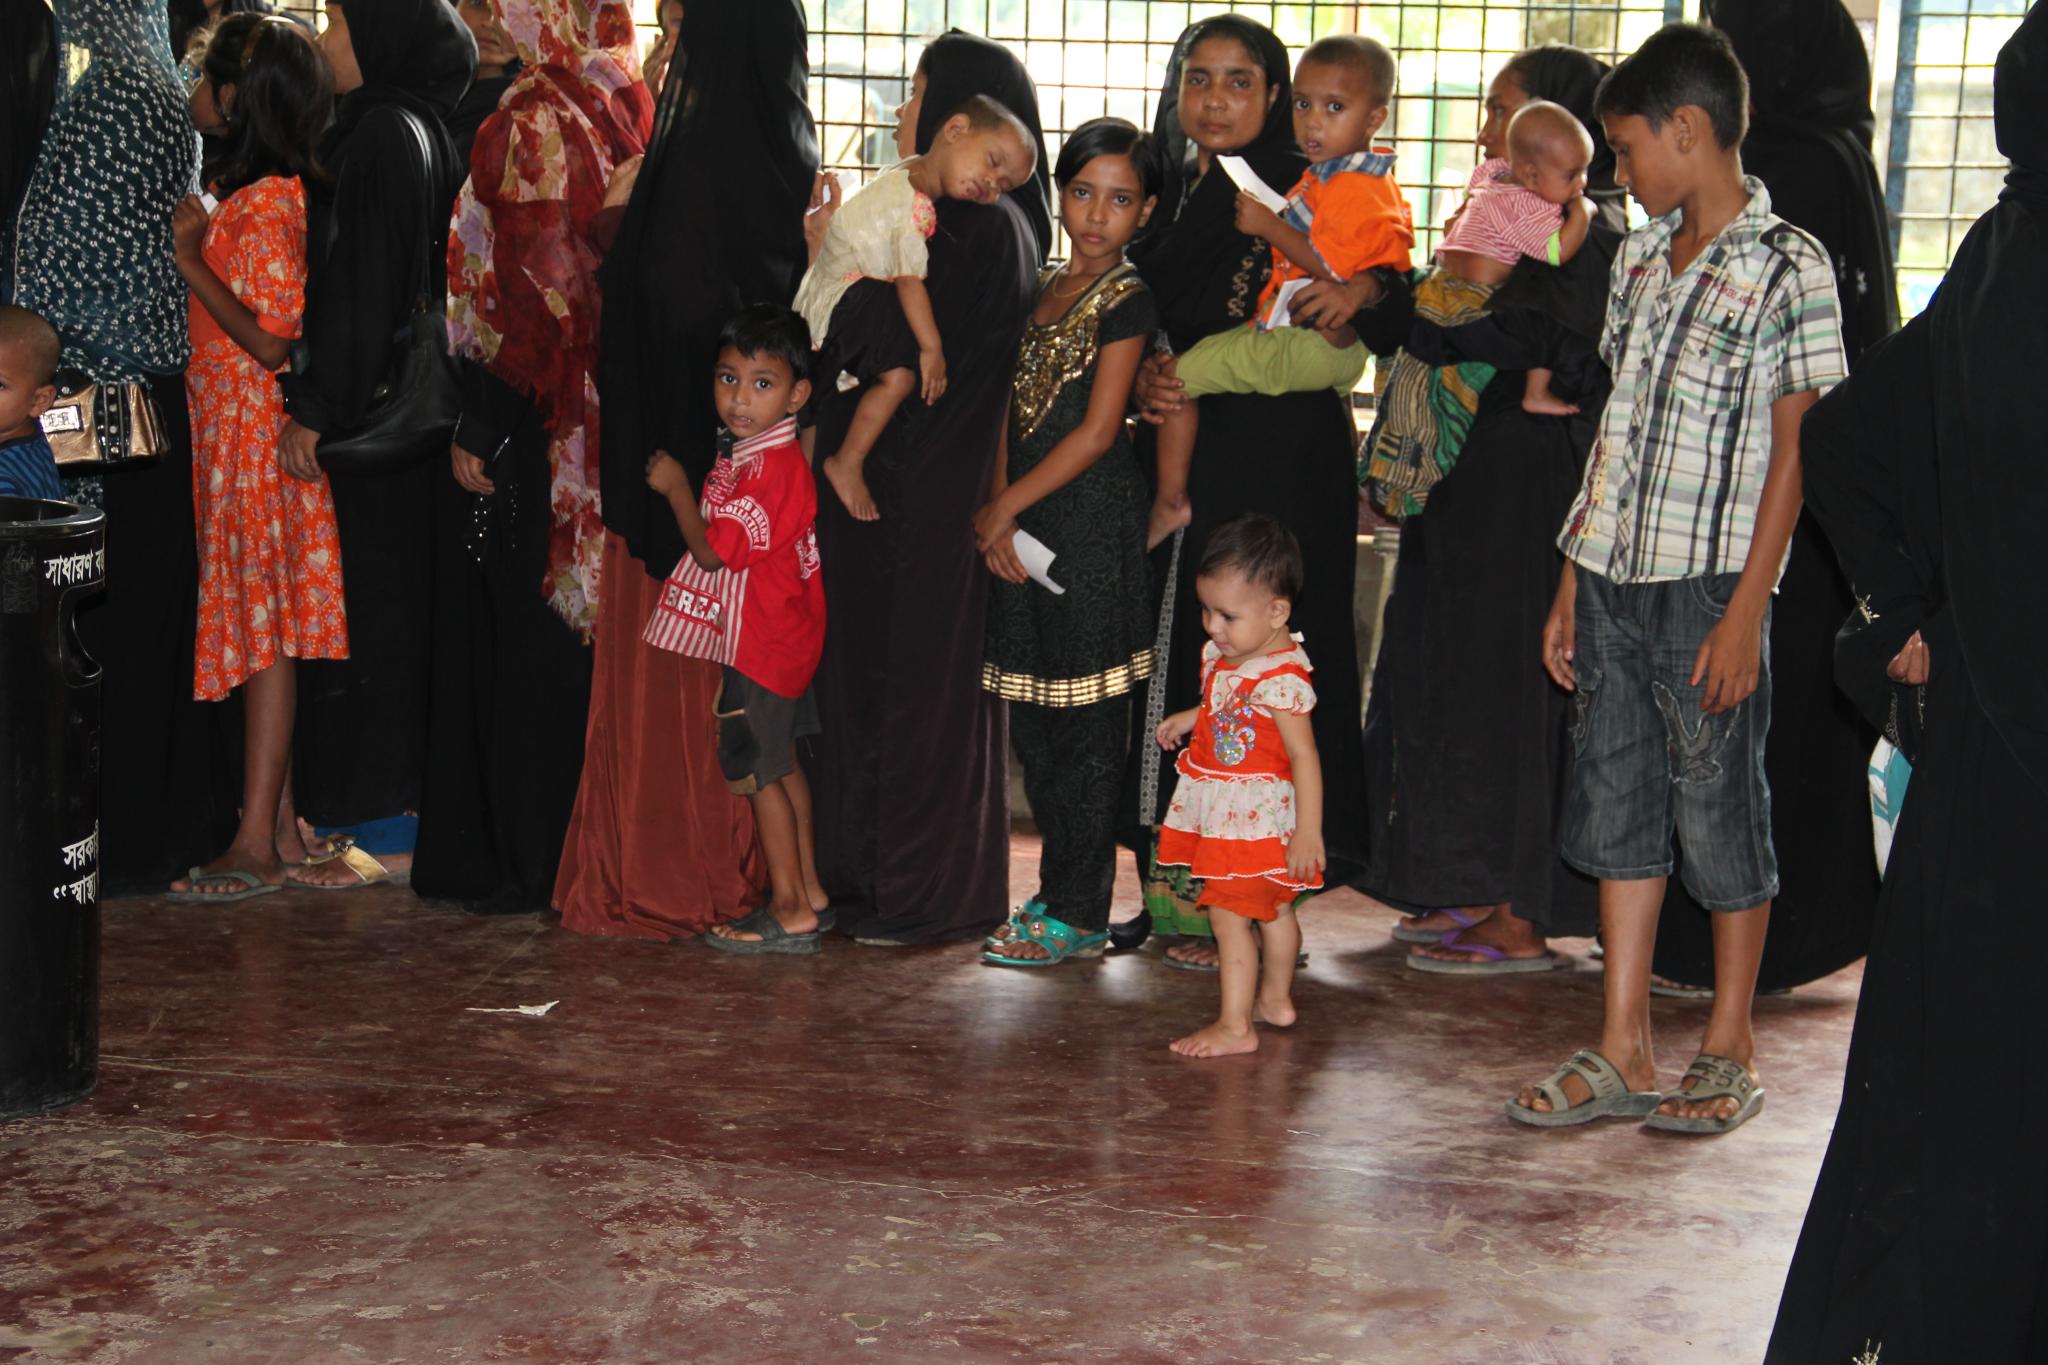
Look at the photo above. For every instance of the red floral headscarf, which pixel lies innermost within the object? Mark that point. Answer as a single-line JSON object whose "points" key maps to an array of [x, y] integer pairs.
{"points": [[522, 272]]}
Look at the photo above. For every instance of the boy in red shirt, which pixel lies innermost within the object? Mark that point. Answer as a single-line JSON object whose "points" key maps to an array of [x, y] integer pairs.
{"points": [[749, 596]]}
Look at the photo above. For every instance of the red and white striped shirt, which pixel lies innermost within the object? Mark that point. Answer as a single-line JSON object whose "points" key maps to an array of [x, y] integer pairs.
{"points": [[764, 612], [1503, 221]]}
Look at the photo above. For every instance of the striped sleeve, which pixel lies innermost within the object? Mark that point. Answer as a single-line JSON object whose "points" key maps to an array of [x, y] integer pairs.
{"points": [[1804, 322]]}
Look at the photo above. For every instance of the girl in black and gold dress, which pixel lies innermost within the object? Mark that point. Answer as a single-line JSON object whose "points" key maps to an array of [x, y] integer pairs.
{"points": [[1068, 478]]}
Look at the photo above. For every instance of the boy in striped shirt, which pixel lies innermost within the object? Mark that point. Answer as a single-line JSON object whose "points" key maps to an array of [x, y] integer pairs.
{"points": [[1722, 329]]}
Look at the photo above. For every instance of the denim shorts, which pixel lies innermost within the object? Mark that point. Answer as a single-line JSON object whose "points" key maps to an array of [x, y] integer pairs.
{"points": [[1648, 763]]}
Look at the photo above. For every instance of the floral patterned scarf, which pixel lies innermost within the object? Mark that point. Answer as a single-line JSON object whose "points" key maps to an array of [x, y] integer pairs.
{"points": [[522, 272]]}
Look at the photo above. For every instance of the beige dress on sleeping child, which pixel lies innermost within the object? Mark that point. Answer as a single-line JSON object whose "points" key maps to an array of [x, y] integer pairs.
{"points": [[878, 234]]}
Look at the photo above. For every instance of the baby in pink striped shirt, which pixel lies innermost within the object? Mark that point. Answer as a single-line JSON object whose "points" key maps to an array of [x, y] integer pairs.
{"points": [[1532, 204]]}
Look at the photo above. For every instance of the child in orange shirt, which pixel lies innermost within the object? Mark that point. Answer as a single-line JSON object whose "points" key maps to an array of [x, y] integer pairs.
{"points": [[1345, 215]]}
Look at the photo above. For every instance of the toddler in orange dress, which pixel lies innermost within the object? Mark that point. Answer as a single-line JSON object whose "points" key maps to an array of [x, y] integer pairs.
{"points": [[1247, 815]]}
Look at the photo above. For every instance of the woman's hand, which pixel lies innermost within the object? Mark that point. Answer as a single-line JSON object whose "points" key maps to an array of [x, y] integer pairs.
{"points": [[654, 70], [826, 195], [297, 452], [619, 188], [1159, 390], [1327, 306], [1255, 219], [1911, 665], [188, 229], [469, 472]]}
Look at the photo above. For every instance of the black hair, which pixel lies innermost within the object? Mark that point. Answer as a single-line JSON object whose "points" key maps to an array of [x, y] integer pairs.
{"points": [[1365, 56], [284, 93], [32, 332], [189, 18], [772, 330], [1258, 547], [1111, 136], [986, 111], [1680, 64]]}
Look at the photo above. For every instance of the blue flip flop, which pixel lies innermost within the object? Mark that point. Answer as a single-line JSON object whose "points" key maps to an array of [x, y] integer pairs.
{"points": [[252, 887], [1059, 939]]}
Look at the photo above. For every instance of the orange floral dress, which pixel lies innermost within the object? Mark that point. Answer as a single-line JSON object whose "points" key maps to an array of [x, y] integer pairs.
{"points": [[269, 555]]}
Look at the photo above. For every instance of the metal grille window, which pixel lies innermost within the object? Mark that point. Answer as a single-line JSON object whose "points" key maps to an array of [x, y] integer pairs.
{"points": [[1942, 167], [1096, 57]]}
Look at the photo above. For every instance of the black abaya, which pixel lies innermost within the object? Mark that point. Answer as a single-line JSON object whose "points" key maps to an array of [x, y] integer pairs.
{"points": [[375, 233], [1465, 743], [511, 679], [1927, 1238], [1809, 142], [909, 773]]}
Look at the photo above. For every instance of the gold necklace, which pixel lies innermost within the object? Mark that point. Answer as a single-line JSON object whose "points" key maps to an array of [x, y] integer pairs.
{"points": [[1064, 271]]}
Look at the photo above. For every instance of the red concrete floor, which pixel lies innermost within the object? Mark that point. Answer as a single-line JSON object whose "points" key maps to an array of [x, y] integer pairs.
{"points": [[305, 1148]]}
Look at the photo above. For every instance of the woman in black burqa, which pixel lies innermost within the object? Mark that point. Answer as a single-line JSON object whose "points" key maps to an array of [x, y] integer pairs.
{"points": [[1289, 456], [657, 846], [1809, 142], [377, 229], [910, 772], [1927, 1238], [1463, 779], [28, 86]]}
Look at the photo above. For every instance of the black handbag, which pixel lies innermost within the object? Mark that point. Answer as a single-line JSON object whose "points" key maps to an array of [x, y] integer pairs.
{"points": [[413, 410]]}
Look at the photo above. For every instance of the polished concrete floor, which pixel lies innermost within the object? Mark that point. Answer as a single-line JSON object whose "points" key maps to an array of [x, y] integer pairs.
{"points": [[305, 1146]]}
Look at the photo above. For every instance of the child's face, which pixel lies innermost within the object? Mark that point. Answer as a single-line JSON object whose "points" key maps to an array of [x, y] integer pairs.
{"points": [[1652, 167], [981, 165], [1334, 111], [24, 395], [754, 392], [1240, 616], [1103, 207], [1556, 173], [208, 104]]}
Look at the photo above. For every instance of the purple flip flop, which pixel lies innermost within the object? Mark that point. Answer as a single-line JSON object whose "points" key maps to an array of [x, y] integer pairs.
{"points": [[1403, 934], [1494, 963]]}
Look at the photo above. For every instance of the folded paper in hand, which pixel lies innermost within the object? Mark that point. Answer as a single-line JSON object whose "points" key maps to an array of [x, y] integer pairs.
{"points": [[1245, 178], [1037, 560]]}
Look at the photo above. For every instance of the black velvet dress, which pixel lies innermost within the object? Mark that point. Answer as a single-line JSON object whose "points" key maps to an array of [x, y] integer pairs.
{"points": [[908, 776]]}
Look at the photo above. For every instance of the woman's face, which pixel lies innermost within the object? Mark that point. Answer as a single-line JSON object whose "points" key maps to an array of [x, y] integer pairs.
{"points": [[1503, 97], [341, 54], [906, 117], [1224, 96], [494, 51]]}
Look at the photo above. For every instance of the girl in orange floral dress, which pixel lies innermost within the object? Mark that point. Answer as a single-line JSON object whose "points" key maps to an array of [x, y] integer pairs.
{"points": [[270, 588], [1247, 813]]}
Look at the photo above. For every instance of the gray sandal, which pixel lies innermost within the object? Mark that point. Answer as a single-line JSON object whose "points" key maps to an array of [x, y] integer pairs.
{"points": [[1717, 1078], [1611, 1096], [774, 938]]}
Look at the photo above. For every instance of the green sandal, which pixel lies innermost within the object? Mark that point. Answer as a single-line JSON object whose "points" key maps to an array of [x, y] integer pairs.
{"points": [[1059, 939], [1015, 924]]}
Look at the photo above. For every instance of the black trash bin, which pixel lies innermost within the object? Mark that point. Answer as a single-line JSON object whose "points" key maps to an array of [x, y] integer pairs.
{"points": [[52, 557]]}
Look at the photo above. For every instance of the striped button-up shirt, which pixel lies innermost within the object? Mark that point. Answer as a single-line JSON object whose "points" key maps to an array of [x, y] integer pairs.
{"points": [[1672, 486]]}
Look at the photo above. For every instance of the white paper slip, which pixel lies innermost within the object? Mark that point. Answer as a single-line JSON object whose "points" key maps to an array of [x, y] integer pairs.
{"points": [[1283, 303], [1245, 178], [1037, 560]]}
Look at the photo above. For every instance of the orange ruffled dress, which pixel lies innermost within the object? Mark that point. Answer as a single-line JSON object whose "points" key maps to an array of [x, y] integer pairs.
{"points": [[269, 555], [1233, 809]]}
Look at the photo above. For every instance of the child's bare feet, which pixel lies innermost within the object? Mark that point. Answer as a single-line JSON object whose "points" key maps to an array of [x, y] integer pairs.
{"points": [[1277, 1011], [1168, 516], [1217, 1041], [845, 478], [1544, 403]]}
